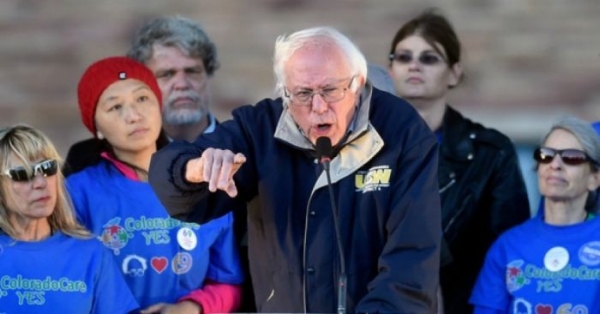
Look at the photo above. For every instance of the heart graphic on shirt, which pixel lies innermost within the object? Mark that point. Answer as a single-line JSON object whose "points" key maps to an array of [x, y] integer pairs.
{"points": [[159, 264], [543, 309]]}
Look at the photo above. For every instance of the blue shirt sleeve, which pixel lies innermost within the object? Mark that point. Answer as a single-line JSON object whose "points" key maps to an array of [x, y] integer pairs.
{"points": [[487, 310], [111, 293], [224, 264], [78, 199], [490, 293], [596, 126]]}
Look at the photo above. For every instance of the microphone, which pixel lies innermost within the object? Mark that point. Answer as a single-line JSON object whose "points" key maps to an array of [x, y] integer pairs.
{"points": [[324, 152]]}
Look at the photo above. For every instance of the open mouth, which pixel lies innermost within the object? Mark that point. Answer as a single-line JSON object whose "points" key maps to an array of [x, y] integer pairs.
{"points": [[323, 126]]}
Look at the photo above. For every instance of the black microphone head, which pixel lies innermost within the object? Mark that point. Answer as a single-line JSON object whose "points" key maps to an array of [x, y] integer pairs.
{"points": [[323, 147]]}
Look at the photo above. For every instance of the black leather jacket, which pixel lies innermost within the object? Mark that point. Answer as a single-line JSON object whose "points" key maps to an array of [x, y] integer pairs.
{"points": [[482, 193]]}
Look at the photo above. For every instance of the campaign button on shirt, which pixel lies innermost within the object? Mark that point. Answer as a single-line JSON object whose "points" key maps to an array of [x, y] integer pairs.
{"points": [[589, 253], [556, 258], [186, 238]]}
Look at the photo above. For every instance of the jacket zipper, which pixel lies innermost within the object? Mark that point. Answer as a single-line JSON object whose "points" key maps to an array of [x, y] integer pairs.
{"points": [[451, 183], [442, 190], [462, 208], [304, 251]]}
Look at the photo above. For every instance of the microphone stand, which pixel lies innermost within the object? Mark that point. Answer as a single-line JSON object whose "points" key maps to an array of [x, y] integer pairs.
{"points": [[342, 280]]}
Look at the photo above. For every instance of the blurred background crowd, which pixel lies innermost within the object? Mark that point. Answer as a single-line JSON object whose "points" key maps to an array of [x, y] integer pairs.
{"points": [[526, 61]]}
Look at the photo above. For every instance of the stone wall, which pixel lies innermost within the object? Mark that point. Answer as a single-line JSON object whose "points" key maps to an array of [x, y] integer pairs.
{"points": [[527, 61]]}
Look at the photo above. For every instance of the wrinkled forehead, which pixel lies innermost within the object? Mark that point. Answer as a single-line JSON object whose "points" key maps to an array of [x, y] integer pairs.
{"points": [[317, 65], [15, 160], [562, 139], [173, 56]]}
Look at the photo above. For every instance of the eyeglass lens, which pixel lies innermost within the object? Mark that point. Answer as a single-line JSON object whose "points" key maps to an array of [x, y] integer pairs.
{"points": [[424, 58], [46, 168], [574, 157], [329, 94]]}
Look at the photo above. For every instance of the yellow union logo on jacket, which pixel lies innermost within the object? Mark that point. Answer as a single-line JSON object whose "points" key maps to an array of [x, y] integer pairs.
{"points": [[373, 179]]}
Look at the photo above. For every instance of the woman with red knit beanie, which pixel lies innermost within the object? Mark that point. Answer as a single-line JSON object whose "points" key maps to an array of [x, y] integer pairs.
{"points": [[170, 266]]}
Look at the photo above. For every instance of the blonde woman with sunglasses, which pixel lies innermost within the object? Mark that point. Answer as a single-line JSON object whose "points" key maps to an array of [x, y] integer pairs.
{"points": [[551, 263], [48, 262]]}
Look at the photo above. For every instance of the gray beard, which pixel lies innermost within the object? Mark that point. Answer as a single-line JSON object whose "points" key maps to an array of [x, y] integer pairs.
{"points": [[183, 117]]}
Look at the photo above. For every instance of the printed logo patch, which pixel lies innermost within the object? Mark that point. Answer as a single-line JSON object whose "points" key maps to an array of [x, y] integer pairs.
{"points": [[159, 263], [515, 278], [134, 266], [543, 309], [114, 236], [568, 308], [589, 253], [181, 263], [521, 306], [373, 180], [28, 292]]}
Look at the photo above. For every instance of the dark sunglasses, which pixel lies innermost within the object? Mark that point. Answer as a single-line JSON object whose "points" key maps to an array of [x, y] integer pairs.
{"points": [[424, 58], [46, 168], [573, 157]]}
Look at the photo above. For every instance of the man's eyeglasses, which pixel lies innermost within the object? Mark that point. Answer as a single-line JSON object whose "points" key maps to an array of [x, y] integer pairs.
{"points": [[573, 157], [45, 168], [424, 58], [329, 94]]}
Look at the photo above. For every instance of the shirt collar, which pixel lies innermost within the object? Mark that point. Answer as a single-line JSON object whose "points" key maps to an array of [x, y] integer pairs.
{"points": [[212, 124]]}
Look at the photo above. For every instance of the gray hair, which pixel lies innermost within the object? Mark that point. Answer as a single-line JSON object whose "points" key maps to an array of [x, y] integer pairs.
{"points": [[176, 31], [287, 45], [583, 131]]}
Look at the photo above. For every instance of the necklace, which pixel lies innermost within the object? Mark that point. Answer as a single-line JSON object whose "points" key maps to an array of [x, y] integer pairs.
{"points": [[141, 173]]}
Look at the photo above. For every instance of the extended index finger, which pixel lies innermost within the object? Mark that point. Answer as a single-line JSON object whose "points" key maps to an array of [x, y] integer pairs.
{"points": [[208, 157], [231, 164], [226, 173]]}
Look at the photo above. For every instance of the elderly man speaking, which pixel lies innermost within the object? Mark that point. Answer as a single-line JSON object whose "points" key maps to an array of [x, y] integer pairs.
{"points": [[346, 180]]}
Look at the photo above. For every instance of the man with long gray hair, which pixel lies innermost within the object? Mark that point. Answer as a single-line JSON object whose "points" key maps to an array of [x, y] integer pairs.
{"points": [[183, 59]]}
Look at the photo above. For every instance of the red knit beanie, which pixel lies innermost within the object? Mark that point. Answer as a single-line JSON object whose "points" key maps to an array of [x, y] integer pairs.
{"points": [[102, 74]]}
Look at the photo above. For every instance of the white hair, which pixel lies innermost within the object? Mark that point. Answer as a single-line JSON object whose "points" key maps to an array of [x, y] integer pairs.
{"points": [[287, 45]]}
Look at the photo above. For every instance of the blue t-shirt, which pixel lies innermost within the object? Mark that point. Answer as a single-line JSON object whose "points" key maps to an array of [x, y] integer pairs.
{"points": [[162, 259], [539, 268], [60, 274], [596, 126]]}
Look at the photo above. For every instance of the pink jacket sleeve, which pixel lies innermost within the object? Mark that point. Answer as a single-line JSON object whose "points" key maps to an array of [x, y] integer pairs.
{"points": [[216, 297]]}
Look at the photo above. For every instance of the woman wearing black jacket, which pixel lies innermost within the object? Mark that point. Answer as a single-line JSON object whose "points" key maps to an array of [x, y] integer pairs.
{"points": [[481, 186]]}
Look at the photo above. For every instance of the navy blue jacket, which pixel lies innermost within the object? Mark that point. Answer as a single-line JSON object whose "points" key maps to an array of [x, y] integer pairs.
{"points": [[385, 185]]}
